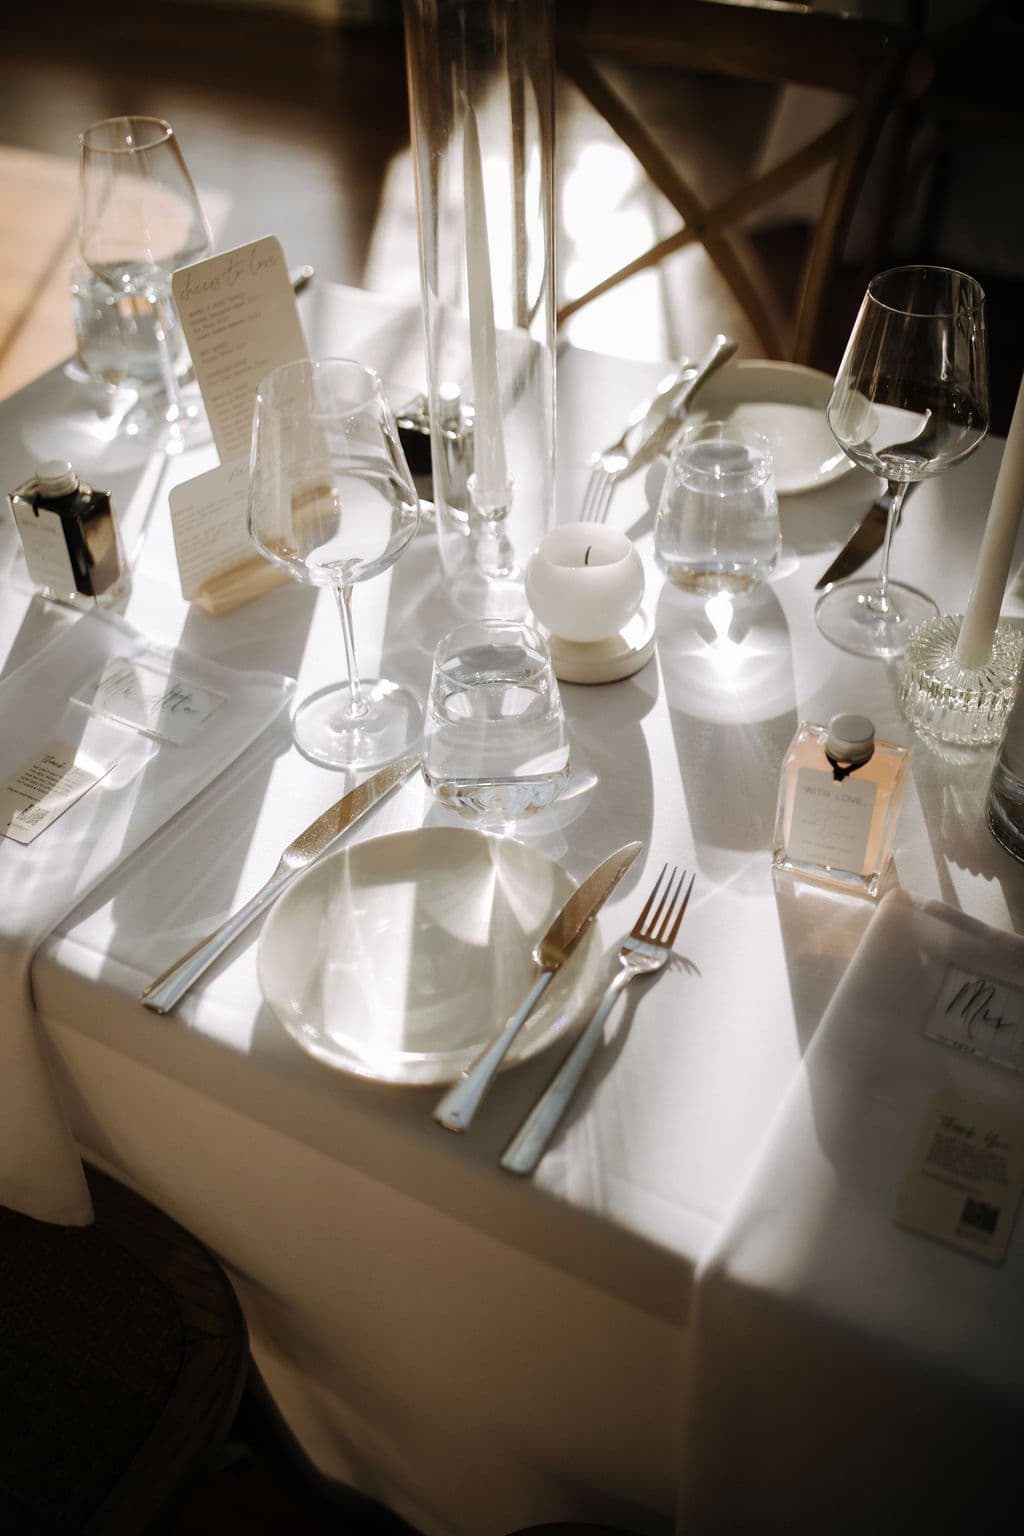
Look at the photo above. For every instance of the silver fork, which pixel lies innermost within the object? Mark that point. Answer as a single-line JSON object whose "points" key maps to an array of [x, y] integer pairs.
{"points": [[644, 952], [616, 463], [607, 463]]}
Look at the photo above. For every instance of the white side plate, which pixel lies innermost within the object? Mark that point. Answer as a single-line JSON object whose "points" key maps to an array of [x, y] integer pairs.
{"points": [[786, 403]]}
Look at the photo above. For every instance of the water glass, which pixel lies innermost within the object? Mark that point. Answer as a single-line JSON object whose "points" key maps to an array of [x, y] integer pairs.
{"points": [[116, 336], [496, 745], [718, 528]]}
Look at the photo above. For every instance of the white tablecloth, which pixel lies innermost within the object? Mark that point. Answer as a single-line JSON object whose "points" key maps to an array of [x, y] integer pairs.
{"points": [[145, 783], [485, 1352], [844, 1363]]}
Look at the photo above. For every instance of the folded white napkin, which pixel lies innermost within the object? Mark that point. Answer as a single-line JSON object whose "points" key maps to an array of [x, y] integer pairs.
{"points": [[851, 1374], [42, 881]]}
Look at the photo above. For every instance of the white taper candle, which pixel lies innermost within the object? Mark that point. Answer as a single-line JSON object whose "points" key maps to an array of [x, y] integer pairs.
{"points": [[489, 464], [974, 646]]}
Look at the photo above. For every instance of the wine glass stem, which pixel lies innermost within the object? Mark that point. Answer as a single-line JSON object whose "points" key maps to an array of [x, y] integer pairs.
{"points": [[160, 328], [879, 600], [357, 706]]}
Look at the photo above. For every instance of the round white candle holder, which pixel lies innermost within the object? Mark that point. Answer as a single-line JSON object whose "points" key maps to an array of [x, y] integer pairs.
{"points": [[942, 698], [585, 584]]}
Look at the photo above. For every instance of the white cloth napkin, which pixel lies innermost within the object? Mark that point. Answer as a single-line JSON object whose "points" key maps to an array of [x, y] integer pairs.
{"points": [[42, 881], [851, 1375]]}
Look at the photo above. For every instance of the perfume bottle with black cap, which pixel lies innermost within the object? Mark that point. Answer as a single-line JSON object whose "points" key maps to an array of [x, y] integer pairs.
{"points": [[70, 538], [839, 799]]}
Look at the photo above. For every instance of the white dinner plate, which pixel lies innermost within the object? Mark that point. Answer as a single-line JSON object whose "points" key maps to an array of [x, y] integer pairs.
{"points": [[400, 958], [786, 403]]}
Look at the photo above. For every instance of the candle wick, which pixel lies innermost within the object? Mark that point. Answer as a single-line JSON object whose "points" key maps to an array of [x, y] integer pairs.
{"points": [[586, 557]]}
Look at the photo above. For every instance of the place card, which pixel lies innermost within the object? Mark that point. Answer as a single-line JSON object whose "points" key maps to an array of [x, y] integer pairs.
{"points": [[240, 320], [46, 787], [218, 566], [979, 1014], [140, 693], [964, 1184]]}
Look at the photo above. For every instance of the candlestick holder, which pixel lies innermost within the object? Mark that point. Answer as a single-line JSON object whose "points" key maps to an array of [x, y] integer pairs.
{"points": [[481, 96], [941, 697]]}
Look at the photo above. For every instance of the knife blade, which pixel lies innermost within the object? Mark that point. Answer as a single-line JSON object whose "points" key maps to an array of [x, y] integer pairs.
{"points": [[171, 985], [665, 434], [459, 1106], [865, 539]]}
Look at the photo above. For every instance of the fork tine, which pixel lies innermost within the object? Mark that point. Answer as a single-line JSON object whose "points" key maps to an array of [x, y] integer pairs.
{"points": [[651, 930], [600, 507], [670, 938], [590, 492], [637, 929]]}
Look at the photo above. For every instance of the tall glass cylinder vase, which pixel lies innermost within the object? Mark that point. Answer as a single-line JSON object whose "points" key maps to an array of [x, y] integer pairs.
{"points": [[481, 95]]}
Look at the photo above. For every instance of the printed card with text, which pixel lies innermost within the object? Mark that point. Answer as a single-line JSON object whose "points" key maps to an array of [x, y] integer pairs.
{"points": [[240, 319], [208, 519], [46, 787], [964, 1184]]}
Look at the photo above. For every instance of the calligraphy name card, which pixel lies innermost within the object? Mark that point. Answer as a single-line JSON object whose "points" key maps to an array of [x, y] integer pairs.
{"points": [[979, 1014], [150, 699]]}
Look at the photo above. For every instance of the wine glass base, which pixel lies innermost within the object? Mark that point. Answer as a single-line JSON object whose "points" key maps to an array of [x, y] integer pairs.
{"points": [[476, 594], [188, 426], [323, 732], [845, 616], [968, 706]]}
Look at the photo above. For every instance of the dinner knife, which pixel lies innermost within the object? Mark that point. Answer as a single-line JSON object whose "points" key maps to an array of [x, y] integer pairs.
{"points": [[665, 434], [171, 986], [460, 1104], [865, 539]]}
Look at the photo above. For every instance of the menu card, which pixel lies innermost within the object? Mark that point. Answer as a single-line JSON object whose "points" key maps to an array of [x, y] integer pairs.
{"points": [[240, 320]]}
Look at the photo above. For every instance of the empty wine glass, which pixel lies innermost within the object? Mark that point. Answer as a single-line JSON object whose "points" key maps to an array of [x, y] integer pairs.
{"points": [[140, 221], [332, 501], [910, 400]]}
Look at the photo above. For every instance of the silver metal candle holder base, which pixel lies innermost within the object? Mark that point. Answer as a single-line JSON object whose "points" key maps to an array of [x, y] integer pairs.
{"points": [[965, 705]]}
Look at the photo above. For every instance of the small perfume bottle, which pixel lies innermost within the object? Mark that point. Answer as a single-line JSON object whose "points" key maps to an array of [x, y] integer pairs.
{"points": [[70, 537], [839, 798]]}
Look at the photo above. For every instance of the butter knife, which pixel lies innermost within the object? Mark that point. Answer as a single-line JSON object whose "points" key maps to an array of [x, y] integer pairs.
{"points": [[171, 986], [460, 1104], [866, 538], [665, 434]]}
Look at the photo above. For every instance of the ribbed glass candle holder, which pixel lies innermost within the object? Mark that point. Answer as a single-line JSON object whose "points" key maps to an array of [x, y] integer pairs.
{"points": [[966, 705]]}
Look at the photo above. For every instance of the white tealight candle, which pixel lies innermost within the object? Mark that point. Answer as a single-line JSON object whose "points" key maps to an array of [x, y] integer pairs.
{"points": [[584, 582], [974, 646]]}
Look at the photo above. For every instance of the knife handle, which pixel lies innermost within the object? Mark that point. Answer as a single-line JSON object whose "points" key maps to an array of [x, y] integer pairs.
{"points": [[524, 1151], [170, 987], [457, 1109], [665, 434]]}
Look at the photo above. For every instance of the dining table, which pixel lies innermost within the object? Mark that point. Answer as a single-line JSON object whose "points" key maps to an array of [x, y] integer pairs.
{"points": [[700, 1313]]}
